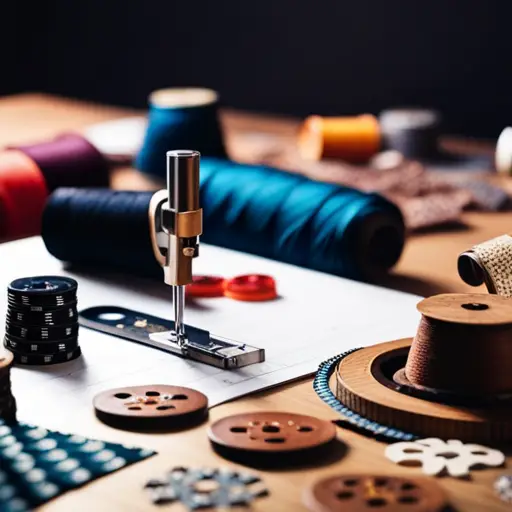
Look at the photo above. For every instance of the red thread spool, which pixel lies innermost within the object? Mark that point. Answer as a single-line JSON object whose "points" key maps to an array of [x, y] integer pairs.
{"points": [[206, 286], [251, 288], [23, 195]]}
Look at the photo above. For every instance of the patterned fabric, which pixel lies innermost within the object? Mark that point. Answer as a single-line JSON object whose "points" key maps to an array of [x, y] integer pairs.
{"points": [[37, 465], [496, 259], [426, 198]]}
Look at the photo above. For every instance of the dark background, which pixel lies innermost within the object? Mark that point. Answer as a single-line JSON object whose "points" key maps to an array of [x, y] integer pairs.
{"points": [[281, 56]]}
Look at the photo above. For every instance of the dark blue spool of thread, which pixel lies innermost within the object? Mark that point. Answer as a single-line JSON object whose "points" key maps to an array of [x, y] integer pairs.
{"points": [[253, 209], [101, 229], [180, 118]]}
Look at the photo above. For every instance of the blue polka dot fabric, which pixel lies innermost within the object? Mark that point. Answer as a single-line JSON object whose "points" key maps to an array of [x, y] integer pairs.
{"points": [[37, 464]]}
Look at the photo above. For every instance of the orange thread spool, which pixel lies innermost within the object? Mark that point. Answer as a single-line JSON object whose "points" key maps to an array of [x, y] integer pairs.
{"points": [[353, 139], [23, 195]]}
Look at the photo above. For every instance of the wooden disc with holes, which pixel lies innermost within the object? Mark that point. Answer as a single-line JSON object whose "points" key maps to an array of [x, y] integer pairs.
{"points": [[468, 308], [151, 407], [6, 359], [364, 383], [359, 493], [266, 436]]}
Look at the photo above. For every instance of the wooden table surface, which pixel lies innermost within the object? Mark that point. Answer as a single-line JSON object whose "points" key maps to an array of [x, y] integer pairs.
{"points": [[428, 266]]}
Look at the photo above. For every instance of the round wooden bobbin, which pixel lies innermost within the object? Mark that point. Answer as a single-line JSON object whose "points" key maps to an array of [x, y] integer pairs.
{"points": [[7, 401], [276, 438], [463, 345], [359, 493], [364, 383], [6, 359], [152, 407]]}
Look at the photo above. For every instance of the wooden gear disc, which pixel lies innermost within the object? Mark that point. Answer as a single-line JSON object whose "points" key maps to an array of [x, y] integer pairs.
{"points": [[151, 407], [6, 359], [363, 386], [359, 493], [261, 437]]}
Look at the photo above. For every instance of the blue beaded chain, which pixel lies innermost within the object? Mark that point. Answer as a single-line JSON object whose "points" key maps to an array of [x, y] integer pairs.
{"points": [[353, 420]]}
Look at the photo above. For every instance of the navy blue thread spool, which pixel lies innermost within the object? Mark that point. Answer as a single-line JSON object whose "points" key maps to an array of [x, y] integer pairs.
{"points": [[180, 118], [254, 209], [101, 229]]}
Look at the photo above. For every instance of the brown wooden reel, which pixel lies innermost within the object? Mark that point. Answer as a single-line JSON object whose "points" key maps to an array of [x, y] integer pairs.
{"points": [[463, 345], [364, 383], [451, 381]]}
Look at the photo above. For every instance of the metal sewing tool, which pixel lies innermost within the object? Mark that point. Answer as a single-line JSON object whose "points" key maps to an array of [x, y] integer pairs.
{"points": [[175, 225]]}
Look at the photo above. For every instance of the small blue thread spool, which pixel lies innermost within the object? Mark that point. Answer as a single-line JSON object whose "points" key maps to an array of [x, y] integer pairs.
{"points": [[180, 118]]}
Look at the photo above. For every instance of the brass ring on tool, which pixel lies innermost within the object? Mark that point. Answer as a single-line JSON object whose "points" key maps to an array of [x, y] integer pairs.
{"points": [[366, 386]]}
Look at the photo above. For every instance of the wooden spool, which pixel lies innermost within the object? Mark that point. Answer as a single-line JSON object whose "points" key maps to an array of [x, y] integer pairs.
{"points": [[396, 383], [365, 390], [463, 345]]}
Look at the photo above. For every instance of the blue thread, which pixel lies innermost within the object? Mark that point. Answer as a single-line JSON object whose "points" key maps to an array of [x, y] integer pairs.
{"points": [[290, 218], [253, 209], [195, 127], [101, 229]]}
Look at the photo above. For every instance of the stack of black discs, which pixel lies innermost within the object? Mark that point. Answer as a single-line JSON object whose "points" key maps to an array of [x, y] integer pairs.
{"points": [[42, 320]]}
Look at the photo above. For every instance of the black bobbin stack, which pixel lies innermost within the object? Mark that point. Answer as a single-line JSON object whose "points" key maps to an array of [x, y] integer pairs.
{"points": [[42, 320]]}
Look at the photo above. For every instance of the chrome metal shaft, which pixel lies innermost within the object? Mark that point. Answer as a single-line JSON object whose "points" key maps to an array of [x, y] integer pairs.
{"points": [[178, 301], [182, 220]]}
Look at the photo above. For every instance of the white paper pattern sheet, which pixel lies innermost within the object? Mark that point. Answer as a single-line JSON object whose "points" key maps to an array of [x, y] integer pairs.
{"points": [[316, 317]]}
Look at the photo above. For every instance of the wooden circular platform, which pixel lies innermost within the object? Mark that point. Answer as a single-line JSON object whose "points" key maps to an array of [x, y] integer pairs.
{"points": [[364, 383]]}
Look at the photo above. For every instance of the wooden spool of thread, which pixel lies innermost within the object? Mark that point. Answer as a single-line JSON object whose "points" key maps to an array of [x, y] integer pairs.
{"points": [[463, 345], [451, 381], [353, 139]]}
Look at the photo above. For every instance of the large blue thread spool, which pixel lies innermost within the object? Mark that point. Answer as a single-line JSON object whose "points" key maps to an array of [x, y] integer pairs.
{"points": [[180, 118], [254, 209]]}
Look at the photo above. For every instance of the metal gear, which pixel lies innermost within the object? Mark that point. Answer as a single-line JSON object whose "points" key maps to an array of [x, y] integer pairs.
{"points": [[230, 488]]}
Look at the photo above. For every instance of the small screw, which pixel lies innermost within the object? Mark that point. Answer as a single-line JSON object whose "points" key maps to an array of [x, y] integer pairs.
{"points": [[189, 251]]}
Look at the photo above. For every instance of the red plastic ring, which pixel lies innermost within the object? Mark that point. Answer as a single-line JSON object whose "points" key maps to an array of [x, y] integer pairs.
{"points": [[206, 286], [251, 287]]}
